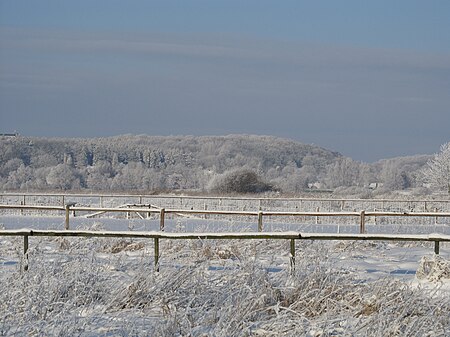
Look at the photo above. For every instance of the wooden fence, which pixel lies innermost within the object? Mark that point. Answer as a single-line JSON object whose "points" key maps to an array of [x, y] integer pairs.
{"points": [[361, 216], [156, 236]]}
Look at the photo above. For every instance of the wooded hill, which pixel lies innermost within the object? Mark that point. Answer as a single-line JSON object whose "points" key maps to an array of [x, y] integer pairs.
{"points": [[155, 163]]}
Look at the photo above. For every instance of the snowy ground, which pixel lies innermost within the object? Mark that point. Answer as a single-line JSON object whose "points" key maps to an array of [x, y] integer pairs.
{"points": [[91, 287]]}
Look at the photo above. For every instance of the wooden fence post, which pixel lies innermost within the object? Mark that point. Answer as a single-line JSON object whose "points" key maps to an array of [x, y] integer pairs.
{"points": [[156, 254], [436, 247], [25, 252], [23, 203], [317, 217], [67, 216], [161, 219], [260, 221], [292, 257], [362, 223], [68, 205]]}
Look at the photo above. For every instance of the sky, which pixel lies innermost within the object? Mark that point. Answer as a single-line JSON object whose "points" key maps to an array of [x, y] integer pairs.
{"points": [[369, 79]]}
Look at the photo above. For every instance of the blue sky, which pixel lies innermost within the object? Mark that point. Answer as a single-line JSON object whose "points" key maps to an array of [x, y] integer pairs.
{"points": [[370, 79]]}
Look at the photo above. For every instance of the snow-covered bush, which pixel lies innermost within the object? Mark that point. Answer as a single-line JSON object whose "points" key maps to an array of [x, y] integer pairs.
{"points": [[240, 181], [433, 268]]}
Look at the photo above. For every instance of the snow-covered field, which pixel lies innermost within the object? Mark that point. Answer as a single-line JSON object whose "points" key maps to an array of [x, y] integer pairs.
{"points": [[105, 286]]}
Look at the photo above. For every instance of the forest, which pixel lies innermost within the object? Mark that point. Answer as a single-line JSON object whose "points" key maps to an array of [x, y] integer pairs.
{"points": [[154, 164]]}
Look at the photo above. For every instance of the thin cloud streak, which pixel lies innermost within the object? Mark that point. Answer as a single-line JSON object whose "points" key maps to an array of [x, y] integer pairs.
{"points": [[306, 54], [185, 84]]}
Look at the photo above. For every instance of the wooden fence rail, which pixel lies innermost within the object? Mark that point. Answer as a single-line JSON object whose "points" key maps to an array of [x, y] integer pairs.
{"points": [[362, 215], [156, 236]]}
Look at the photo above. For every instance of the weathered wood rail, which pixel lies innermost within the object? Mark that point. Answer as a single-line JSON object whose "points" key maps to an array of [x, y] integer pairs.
{"points": [[156, 236], [362, 215]]}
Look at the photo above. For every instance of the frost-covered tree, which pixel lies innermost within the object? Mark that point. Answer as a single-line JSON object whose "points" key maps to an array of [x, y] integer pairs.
{"points": [[343, 172], [437, 171], [20, 178], [63, 177]]}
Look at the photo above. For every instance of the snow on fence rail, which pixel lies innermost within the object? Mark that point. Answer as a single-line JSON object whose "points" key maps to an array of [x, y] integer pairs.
{"points": [[362, 215], [156, 236]]}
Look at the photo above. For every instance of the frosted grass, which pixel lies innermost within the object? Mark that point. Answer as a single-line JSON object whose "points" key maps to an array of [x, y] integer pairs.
{"points": [[107, 287]]}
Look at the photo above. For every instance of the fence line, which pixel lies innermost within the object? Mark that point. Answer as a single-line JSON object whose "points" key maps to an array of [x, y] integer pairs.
{"points": [[156, 236], [156, 196], [259, 214], [183, 198]]}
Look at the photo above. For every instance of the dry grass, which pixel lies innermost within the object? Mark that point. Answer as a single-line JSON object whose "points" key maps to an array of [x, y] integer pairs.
{"points": [[86, 291]]}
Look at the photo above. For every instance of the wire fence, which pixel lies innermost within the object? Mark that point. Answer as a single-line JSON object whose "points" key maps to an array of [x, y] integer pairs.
{"points": [[230, 203]]}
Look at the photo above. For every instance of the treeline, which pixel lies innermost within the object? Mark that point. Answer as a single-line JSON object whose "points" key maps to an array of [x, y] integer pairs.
{"points": [[152, 164]]}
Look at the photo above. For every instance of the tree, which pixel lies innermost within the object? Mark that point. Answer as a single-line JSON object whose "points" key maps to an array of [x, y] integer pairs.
{"points": [[437, 171], [343, 172], [20, 178], [63, 177]]}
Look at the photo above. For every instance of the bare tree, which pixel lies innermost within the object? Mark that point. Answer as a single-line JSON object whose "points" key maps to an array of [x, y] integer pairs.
{"points": [[343, 172], [437, 171]]}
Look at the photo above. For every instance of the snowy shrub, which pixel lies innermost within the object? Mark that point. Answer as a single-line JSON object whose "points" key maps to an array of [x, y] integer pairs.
{"points": [[240, 181], [433, 268]]}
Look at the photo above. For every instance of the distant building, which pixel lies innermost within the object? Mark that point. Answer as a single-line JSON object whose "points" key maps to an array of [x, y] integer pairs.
{"points": [[374, 186], [9, 135], [315, 186]]}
